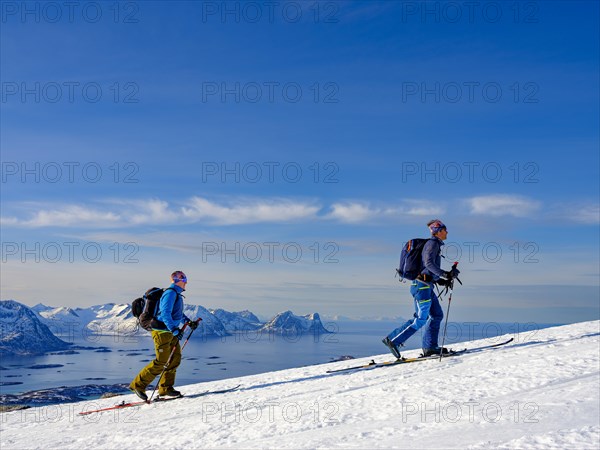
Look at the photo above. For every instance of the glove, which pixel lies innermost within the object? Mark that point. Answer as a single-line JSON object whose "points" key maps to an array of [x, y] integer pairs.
{"points": [[193, 324], [454, 272], [443, 282], [178, 333], [451, 274]]}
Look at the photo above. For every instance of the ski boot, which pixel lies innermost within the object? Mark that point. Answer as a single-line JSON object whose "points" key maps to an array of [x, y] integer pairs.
{"points": [[393, 348], [140, 393], [435, 351], [170, 392]]}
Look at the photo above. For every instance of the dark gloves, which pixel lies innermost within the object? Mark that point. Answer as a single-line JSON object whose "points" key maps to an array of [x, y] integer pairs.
{"points": [[178, 333], [193, 324], [452, 273], [443, 282]]}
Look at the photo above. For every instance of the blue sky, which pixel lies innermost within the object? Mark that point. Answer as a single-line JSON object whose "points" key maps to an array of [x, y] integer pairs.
{"points": [[282, 164]]}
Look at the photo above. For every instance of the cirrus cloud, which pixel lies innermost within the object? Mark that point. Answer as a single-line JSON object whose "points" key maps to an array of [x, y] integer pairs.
{"points": [[122, 213], [503, 205], [247, 211], [360, 212]]}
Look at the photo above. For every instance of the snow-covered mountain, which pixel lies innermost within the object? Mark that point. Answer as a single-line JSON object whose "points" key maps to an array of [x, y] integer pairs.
{"points": [[106, 319], [61, 321], [114, 318], [288, 323], [539, 391], [22, 333], [237, 321], [210, 325]]}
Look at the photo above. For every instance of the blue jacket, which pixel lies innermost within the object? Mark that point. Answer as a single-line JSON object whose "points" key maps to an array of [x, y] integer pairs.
{"points": [[432, 258], [170, 308]]}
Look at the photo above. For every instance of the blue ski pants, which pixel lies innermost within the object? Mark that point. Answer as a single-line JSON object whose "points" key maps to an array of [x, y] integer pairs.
{"points": [[427, 309]]}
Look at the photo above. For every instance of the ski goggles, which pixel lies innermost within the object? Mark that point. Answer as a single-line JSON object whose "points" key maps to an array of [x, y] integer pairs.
{"points": [[179, 277], [437, 226]]}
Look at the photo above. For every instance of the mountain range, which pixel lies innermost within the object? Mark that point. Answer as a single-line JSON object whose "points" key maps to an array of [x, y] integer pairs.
{"points": [[33, 330], [22, 332]]}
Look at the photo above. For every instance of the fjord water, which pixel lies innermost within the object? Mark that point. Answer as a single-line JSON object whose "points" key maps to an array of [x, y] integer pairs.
{"points": [[117, 359]]}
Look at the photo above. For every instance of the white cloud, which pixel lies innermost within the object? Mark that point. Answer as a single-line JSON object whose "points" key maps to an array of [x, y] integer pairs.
{"points": [[249, 211], [586, 215], [424, 208], [121, 213], [503, 205], [9, 221], [141, 212], [71, 215], [353, 212], [359, 212]]}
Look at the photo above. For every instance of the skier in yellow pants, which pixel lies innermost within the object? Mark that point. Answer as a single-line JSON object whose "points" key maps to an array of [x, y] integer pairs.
{"points": [[166, 335]]}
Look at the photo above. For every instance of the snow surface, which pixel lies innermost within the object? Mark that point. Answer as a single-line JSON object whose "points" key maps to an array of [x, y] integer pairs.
{"points": [[540, 391]]}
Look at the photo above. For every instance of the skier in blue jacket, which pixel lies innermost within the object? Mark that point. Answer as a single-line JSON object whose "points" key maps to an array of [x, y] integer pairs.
{"points": [[166, 334], [427, 304]]}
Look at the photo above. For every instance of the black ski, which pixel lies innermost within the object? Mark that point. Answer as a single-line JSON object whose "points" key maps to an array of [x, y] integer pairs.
{"points": [[373, 364], [421, 358]]}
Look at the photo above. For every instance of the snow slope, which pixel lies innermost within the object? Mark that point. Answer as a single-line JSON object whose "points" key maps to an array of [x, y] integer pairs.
{"points": [[540, 391]]}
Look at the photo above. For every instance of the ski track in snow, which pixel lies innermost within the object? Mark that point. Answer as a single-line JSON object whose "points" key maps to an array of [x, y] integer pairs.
{"points": [[540, 391]]}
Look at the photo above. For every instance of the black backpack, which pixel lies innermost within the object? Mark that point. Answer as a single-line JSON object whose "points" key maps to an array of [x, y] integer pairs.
{"points": [[145, 308], [411, 259]]}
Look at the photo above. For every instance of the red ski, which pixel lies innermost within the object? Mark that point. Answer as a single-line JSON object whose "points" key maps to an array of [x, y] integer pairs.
{"points": [[119, 406], [124, 404]]}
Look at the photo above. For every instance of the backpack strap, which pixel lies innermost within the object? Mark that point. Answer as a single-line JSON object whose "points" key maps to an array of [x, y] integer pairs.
{"points": [[156, 309]]}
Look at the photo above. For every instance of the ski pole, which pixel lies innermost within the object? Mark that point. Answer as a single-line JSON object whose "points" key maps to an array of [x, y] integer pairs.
{"points": [[171, 356], [445, 324], [189, 335], [447, 314]]}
